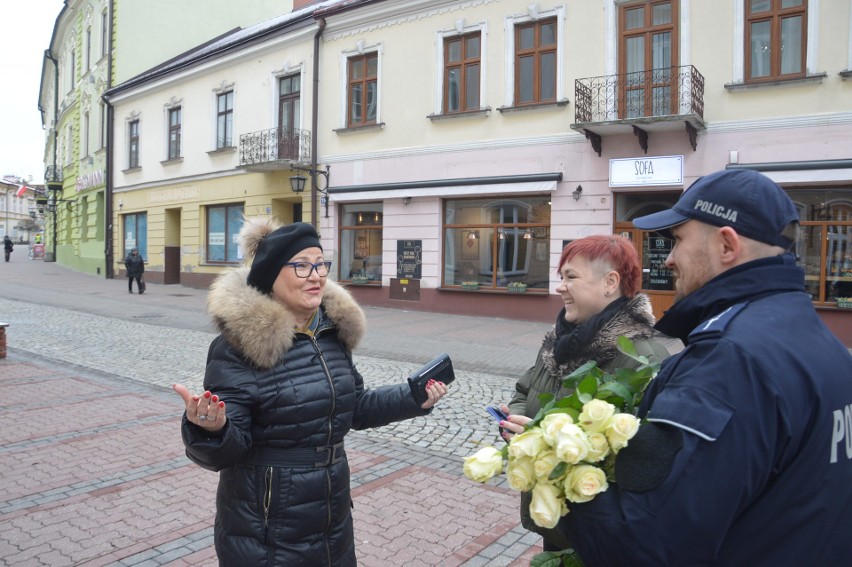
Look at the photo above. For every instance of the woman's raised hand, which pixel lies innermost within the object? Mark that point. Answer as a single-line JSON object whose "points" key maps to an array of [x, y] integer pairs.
{"points": [[434, 392], [206, 411], [514, 425]]}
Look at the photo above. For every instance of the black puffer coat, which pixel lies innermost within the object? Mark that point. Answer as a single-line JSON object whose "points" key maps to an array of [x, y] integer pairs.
{"points": [[286, 395]]}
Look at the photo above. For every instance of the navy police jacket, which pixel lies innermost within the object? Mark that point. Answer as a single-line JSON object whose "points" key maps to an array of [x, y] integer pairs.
{"points": [[745, 453]]}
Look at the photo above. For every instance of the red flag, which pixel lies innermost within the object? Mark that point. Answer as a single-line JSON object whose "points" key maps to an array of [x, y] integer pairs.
{"points": [[21, 191]]}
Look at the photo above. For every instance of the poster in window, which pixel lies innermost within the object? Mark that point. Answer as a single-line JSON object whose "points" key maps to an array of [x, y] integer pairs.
{"points": [[362, 245], [656, 276], [408, 259]]}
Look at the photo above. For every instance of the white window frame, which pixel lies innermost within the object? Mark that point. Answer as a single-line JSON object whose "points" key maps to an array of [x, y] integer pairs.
{"points": [[360, 49], [533, 15], [812, 44]]}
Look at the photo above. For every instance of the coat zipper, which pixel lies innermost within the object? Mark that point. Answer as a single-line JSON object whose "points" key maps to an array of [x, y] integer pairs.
{"points": [[267, 497], [328, 443]]}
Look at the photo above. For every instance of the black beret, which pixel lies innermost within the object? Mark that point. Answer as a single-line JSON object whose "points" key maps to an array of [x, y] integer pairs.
{"points": [[278, 248]]}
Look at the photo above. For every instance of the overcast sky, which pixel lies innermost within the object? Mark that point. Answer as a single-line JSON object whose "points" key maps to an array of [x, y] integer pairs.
{"points": [[26, 31]]}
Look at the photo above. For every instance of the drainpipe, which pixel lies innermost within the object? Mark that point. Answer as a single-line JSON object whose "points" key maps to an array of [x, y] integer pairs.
{"points": [[314, 125], [108, 197], [56, 87]]}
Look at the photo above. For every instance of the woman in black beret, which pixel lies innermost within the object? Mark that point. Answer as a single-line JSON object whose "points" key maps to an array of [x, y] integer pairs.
{"points": [[281, 392]]}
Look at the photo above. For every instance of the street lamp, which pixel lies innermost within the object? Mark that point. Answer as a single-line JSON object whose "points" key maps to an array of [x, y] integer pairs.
{"points": [[53, 189], [297, 182]]}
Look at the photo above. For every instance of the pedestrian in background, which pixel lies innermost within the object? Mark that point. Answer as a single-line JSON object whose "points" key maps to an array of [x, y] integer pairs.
{"points": [[743, 456], [135, 265], [601, 277], [281, 393], [8, 246]]}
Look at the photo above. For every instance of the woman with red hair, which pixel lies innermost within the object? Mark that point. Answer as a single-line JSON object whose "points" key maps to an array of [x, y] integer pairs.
{"points": [[601, 277]]}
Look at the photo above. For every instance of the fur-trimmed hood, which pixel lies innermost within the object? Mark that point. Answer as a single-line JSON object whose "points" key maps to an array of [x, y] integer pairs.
{"points": [[635, 321], [263, 329]]}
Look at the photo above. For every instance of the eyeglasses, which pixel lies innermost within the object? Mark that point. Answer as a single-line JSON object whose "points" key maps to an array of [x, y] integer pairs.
{"points": [[304, 269]]}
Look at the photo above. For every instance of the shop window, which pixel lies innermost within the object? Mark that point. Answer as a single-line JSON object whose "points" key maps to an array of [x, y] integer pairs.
{"points": [[494, 242], [361, 243], [824, 248], [136, 234], [223, 226]]}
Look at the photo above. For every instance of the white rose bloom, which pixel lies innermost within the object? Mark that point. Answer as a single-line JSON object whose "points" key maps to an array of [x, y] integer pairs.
{"points": [[483, 465], [544, 464], [572, 444], [552, 424], [600, 447], [584, 482], [596, 416], [520, 474], [622, 429], [528, 444], [547, 505]]}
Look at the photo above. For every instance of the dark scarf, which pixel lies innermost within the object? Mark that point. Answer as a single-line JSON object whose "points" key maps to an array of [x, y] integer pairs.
{"points": [[572, 338]]}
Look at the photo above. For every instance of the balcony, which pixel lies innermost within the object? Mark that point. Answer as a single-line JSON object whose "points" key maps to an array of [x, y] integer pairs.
{"points": [[658, 100], [53, 174], [274, 149]]}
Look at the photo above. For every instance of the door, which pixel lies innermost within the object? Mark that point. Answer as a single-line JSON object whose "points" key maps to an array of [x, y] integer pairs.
{"points": [[658, 282], [289, 113], [648, 59]]}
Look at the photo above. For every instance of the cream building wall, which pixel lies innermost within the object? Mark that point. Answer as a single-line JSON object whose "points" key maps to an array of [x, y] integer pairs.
{"points": [[174, 193], [800, 120]]}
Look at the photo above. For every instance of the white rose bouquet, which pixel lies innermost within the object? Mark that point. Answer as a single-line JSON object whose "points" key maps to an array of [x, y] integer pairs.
{"points": [[567, 452]]}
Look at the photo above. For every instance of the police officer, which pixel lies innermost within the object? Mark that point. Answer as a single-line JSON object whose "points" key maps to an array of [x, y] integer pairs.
{"points": [[744, 456]]}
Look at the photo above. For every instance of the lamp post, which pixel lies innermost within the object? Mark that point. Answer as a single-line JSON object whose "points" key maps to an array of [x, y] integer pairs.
{"points": [[53, 189], [297, 182]]}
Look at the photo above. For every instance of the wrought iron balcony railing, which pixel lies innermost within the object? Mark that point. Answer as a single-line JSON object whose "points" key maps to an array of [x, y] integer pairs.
{"points": [[53, 174], [668, 91], [268, 147]]}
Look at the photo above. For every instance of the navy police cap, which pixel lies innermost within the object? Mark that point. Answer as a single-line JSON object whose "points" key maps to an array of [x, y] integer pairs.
{"points": [[747, 201]]}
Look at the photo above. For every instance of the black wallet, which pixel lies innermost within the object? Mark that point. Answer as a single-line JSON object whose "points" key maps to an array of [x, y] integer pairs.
{"points": [[439, 369]]}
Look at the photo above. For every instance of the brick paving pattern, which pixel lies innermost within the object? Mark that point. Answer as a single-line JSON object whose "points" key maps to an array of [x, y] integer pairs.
{"points": [[92, 468]]}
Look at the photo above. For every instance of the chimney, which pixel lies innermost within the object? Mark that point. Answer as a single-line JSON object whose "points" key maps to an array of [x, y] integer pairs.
{"points": [[299, 4]]}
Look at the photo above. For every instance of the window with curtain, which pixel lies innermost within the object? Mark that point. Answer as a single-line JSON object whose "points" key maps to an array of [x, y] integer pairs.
{"points": [[361, 243], [362, 97], [225, 120], [648, 55], [462, 72], [535, 62], [775, 39], [495, 242], [223, 226]]}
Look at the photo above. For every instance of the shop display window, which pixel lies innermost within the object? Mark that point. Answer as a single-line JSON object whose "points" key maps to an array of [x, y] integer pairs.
{"points": [[361, 243], [497, 244]]}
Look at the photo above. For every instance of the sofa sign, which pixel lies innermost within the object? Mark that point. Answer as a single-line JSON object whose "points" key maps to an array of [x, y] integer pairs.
{"points": [[642, 172]]}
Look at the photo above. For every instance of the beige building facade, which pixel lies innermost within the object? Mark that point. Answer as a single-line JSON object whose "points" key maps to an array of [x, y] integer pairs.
{"points": [[451, 149]]}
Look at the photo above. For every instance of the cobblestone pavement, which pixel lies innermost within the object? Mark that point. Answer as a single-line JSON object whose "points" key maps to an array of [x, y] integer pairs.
{"points": [[91, 463]]}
